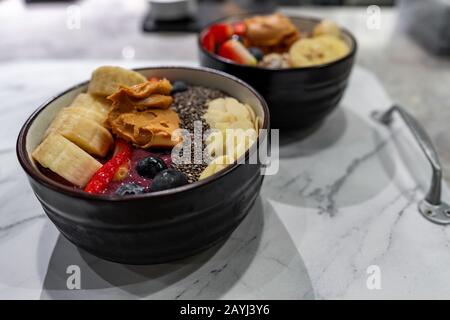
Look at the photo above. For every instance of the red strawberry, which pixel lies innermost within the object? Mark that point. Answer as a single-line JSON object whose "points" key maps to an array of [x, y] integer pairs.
{"points": [[221, 31], [100, 180], [240, 28], [208, 41], [234, 50]]}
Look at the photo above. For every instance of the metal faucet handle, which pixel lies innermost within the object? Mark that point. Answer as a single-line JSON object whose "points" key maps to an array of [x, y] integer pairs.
{"points": [[431, 207]]}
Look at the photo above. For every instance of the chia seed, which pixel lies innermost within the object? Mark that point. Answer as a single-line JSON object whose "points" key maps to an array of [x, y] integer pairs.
{"points": [[191, 105]]}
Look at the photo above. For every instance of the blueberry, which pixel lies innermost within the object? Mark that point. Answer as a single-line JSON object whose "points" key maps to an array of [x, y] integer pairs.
{"points": [[150, 166], [129, 188], [179, 86], [168, 179], [257, 53]]}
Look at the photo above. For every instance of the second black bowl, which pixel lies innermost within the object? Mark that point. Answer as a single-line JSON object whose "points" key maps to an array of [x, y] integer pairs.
{"points": [[298, 98]]}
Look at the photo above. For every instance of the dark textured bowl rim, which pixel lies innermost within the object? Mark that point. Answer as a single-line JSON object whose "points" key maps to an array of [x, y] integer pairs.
{"points": [[216, 57], [26, 164]]}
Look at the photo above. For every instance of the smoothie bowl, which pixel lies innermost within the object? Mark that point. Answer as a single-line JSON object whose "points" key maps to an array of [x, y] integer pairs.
{"points": [[115, 161], [300, 65]]}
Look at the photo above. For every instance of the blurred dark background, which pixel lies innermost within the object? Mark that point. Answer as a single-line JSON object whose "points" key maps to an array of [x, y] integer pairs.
{"points": [[287, 2], [337, 2]]}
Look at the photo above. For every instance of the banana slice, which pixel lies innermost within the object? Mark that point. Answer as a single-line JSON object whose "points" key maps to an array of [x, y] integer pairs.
{"points": [[243, 124], [236, 109], [75, 112], [315, 51], [215, 144], [215, 166], [217, 104], [238, 141], [258, 122], [251, 112], [227, 110], [83, 124], [213, 117], [66, 159], [236, 127], [91, 114], [90, 102], [327, 27], [335, 45], [86, 133], [106, 80]]}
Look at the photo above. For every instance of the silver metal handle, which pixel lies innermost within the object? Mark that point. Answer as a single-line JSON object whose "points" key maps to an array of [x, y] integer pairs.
{"points": [[431, 207]]}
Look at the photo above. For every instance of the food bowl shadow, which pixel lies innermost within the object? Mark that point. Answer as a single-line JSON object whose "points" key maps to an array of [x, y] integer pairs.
{"points": [[144, 280], [353, 169], [258, 261], [318, 138]]}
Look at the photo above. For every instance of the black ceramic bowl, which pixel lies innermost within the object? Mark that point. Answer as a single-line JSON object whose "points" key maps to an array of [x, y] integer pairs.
{"points": [[155, 227], [298, 98]]}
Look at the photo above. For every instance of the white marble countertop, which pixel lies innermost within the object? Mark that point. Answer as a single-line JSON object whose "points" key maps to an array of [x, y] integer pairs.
{"points": [[344, 201]]}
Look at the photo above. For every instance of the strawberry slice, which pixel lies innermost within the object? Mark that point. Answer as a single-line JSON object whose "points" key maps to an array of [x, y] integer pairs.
{"points": [[208, 41], [235, 51], [100, 180], [221, 31], [240, 28]]}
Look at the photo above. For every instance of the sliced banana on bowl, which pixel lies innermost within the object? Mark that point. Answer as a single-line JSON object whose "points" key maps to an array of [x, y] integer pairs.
{"points": [[87, 101], [107, 80], [78, 131], [228, 111], [235, 130], [215, 166], [66, 159], [83, 123], [318, 50], [84, 132], [327, 27]]}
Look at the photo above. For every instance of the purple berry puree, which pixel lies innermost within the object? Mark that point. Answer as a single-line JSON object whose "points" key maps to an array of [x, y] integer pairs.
{"points": [[133, 176]]}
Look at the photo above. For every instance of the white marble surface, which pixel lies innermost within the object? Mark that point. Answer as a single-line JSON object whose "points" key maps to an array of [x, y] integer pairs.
{"points": [[345, 199]]}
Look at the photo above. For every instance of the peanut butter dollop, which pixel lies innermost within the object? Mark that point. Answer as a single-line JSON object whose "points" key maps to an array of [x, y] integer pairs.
{"points": [[271, 33], [141, 114]]}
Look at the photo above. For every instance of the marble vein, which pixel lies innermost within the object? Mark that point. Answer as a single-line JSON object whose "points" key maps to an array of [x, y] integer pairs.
{"points": [[410, 200], [409, 194], [20, 223], [326, 196]]}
